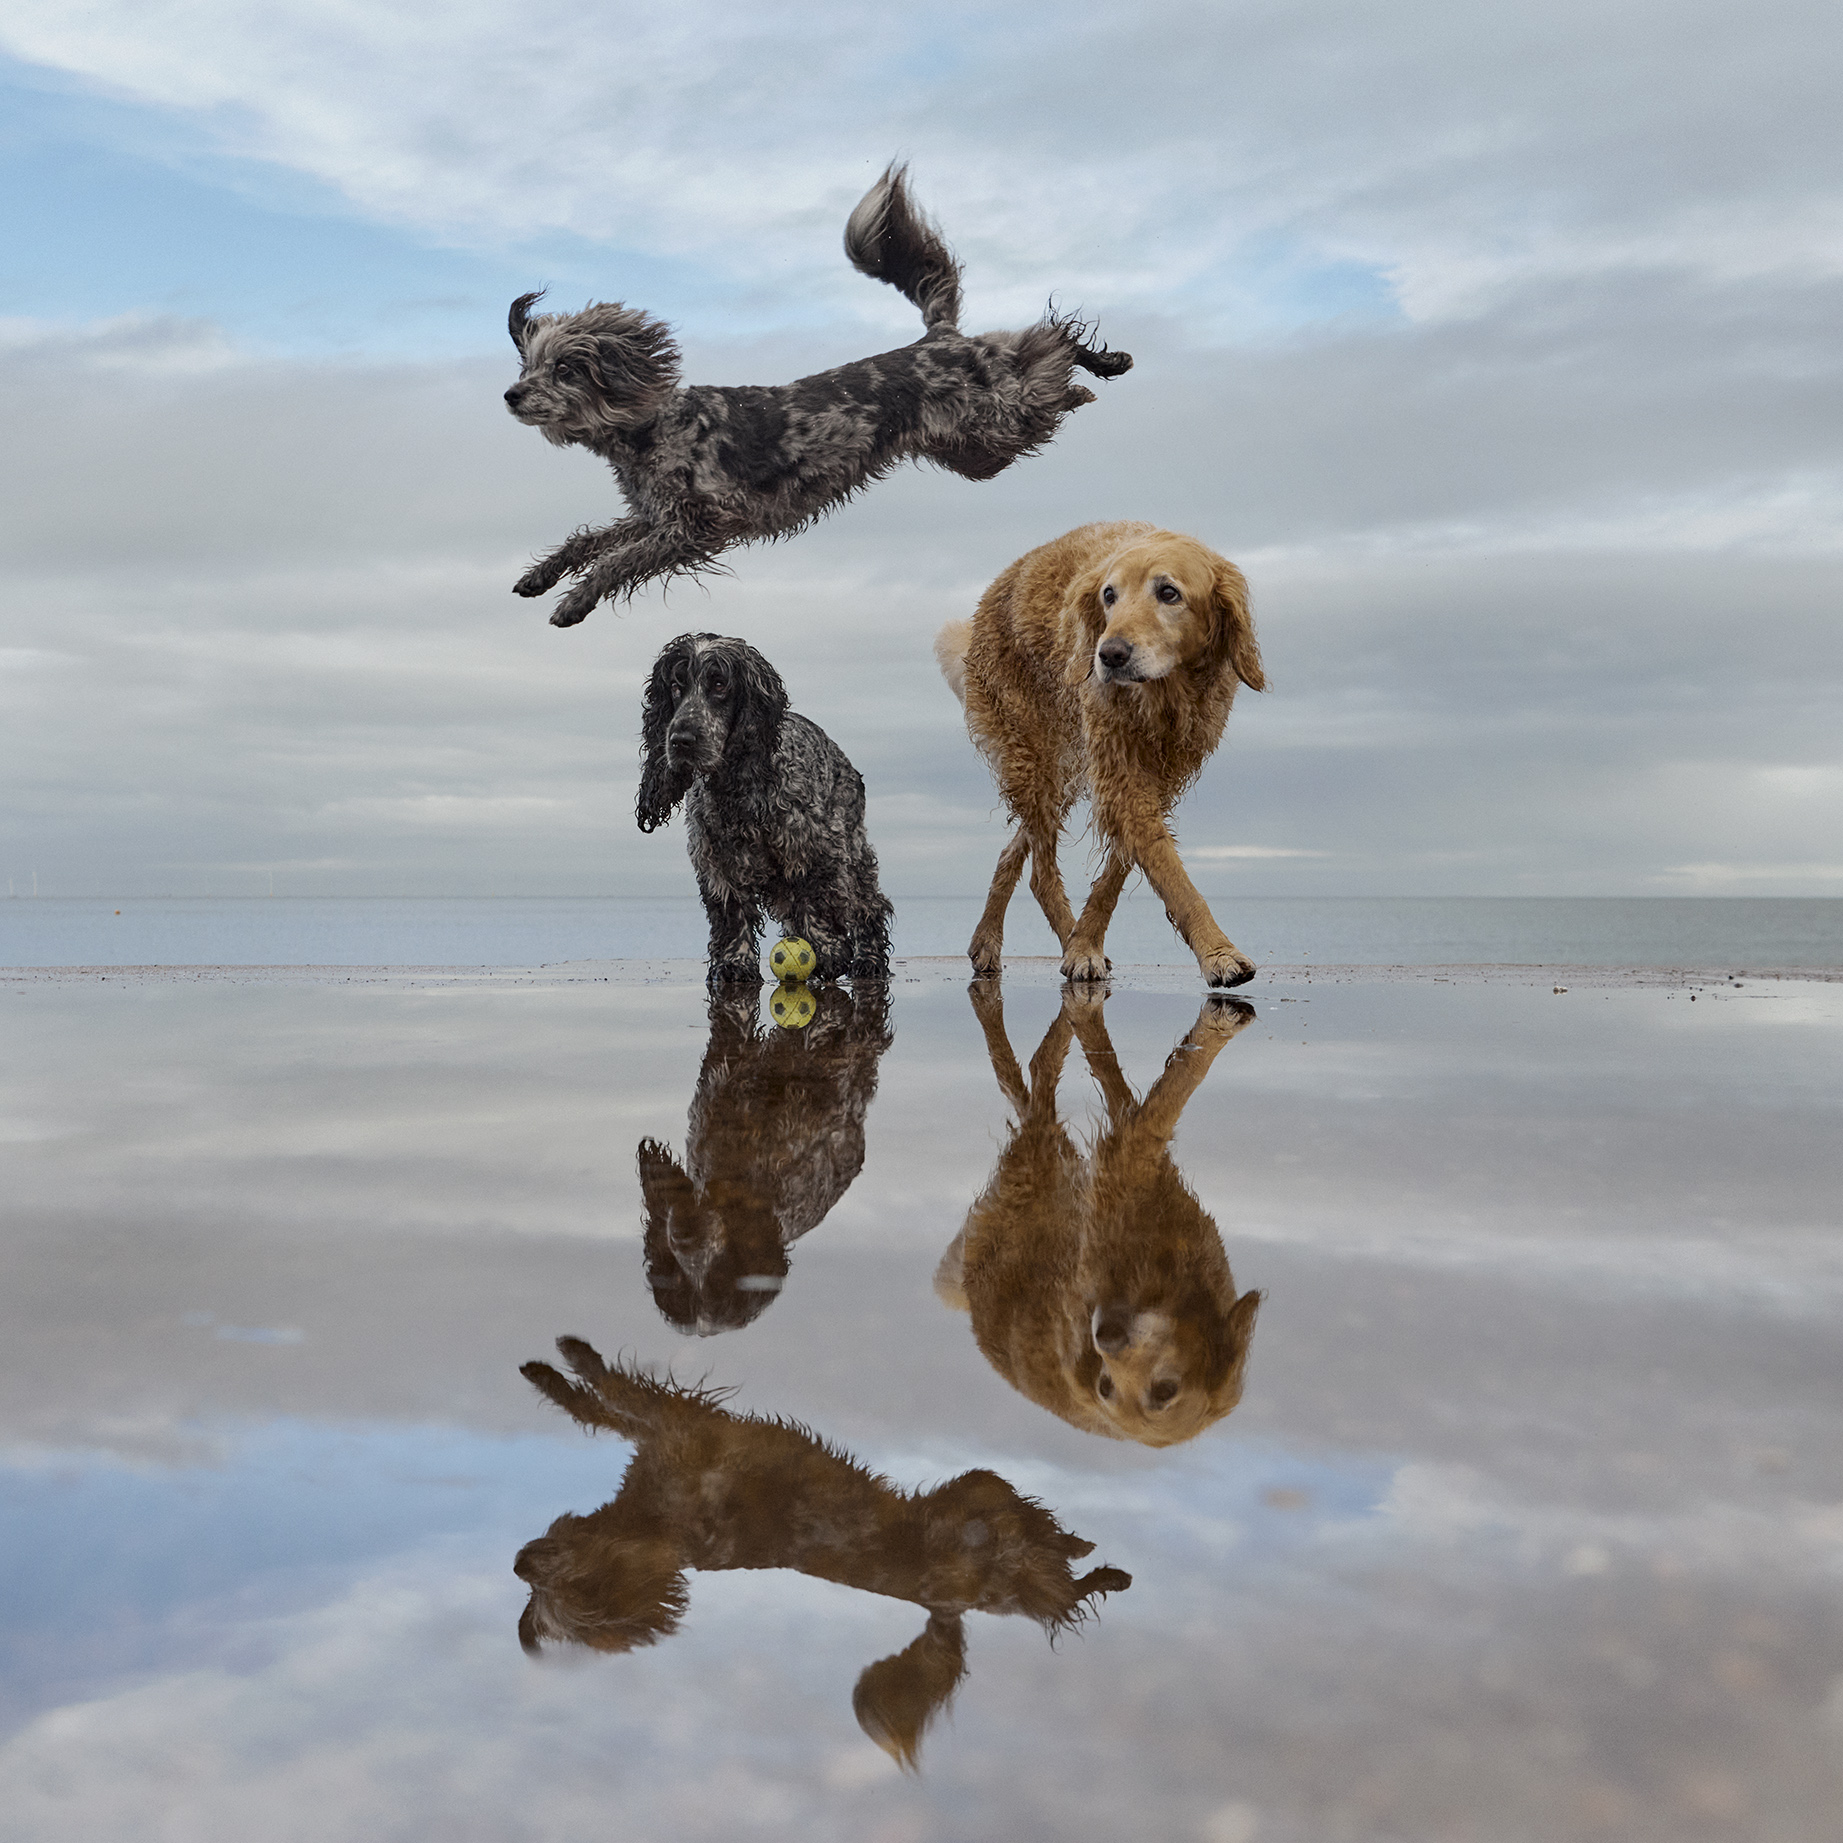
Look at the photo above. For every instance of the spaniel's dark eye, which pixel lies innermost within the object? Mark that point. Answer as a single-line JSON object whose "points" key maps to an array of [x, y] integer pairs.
{"points": [[1162, 1393], [1167, 592], [1108, 597], [716, 685]]}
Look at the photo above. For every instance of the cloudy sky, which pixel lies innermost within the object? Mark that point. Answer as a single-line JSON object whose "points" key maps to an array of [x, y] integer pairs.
{"points": [[1499, 346]]}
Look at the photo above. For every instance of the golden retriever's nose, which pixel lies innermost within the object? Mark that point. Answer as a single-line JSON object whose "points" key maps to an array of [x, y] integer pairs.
{"points": [[1111, 1330], [1114, 653]]}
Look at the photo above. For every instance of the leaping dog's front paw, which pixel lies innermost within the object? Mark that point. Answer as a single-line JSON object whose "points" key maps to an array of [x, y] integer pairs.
{"points": [[574, 607], [542, 577], [1226, 966], [1085, 963]]}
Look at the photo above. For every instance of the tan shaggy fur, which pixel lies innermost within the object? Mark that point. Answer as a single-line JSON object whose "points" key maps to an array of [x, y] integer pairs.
{"points": [[1104, 664], [709, 1490], [1097, 1284]]}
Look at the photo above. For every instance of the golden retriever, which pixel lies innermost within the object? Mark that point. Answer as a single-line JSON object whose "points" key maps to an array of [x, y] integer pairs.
{"points": [[1104, 664], [1097, 1284]]}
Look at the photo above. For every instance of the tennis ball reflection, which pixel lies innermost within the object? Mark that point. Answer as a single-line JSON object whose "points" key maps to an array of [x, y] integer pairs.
{"points": [[792, 1006], [792, 959]]}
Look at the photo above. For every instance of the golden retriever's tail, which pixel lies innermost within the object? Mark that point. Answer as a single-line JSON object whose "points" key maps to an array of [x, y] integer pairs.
{"points": [[950, 646]]}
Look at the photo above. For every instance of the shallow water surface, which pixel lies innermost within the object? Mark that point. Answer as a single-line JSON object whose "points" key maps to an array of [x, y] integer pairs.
{"points": [[1361, 1409]]}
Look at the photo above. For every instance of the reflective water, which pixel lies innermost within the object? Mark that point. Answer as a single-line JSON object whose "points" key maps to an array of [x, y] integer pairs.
{"points": [[1411, 1408]]}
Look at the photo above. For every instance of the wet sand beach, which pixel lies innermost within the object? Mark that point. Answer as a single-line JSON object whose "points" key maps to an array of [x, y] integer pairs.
{"points": [[1528, 1522]]}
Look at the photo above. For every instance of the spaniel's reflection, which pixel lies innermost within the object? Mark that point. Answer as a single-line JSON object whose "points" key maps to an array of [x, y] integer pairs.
{"points": [[1096, 1282], [711, 1489], [774, 1138]]}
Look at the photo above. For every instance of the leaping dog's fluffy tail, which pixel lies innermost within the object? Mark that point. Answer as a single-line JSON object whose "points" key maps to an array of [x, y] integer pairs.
{"points": [[889, 240]]}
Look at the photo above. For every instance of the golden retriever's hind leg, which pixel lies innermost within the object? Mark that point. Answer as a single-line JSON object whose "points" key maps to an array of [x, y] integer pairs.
{"points": [[1047, 886], [989, 1009], [988, 943], [1084, 954], [1222, 962]]}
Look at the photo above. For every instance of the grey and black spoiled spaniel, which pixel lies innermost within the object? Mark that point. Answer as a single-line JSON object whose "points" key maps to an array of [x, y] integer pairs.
{"points": [[774, 1139], [774, 812], [706, 467]]}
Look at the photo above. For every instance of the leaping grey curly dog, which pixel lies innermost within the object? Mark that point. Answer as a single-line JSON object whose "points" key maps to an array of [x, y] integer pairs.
{"points": [[705, 467], [774, 811]]}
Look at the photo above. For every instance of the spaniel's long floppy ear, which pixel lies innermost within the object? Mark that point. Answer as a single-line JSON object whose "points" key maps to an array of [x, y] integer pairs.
{"points": [[761, 708], [661, 786], [1235, 644], [1081, 623]]}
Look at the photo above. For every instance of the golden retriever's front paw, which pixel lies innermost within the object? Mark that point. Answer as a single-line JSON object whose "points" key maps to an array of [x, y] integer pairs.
{"points": [[1226, 966], [1085, 963], [985, 955], [1222, 1016]]}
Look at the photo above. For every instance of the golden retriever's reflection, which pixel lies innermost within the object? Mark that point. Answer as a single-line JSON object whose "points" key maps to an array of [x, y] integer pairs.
{"points": [[1096, 1282], [774, 1138], [711, 1489]]}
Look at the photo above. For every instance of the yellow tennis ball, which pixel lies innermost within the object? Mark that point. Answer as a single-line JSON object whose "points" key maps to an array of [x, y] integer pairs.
{"points": [[792, 959], [793, 1007]]}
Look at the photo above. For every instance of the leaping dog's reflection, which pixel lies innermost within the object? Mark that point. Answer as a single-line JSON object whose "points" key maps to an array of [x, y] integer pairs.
{"points": [[712, 1489], [1096, 1282], [774, 1138]]}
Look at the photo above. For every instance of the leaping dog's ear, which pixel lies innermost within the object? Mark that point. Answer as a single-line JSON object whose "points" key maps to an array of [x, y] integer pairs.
{"points": [[1081, 623], [761, 707], [518, 322], [661, 788], [1235, 644]]}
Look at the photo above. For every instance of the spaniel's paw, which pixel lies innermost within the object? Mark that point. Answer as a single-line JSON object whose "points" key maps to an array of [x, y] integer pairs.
{"points": [[1226, 966], [735, 972]]}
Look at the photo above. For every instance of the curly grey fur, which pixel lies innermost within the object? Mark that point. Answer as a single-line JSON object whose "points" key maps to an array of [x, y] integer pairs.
{"points": [[774, 812], [775, 1137], [706, 467]]}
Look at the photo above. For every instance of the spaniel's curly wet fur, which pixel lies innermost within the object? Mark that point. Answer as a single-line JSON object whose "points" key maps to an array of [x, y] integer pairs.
{"points": [[709, 1489], [774, 1139], [706, 467], [774, 812]]}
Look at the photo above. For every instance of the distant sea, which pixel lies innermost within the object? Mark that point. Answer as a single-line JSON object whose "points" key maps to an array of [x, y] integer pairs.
{"points": [[1735, 933]]}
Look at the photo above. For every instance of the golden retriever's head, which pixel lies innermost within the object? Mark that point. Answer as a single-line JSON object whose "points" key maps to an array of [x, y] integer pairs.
{"points": [[1164, 1374], [1157, 606]]}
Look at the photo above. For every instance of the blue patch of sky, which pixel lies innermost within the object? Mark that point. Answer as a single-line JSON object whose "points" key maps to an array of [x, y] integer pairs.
{"points": [[114, 1570], [110, 209]]}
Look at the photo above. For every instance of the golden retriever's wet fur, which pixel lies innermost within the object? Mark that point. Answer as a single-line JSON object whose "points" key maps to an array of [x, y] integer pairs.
{"points": [[1096, 1282], [1104, 664], [712, 1489]]}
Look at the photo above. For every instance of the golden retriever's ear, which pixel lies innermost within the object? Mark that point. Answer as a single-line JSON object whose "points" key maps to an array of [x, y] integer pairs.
{"points": [[1235, 642], [1241, 1322], [1081, 623]]}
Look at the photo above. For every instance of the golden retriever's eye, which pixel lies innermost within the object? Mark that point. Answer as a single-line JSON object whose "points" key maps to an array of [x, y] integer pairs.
{"points": [[1163, 1393], [1108, 597], [1168, 592]]}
